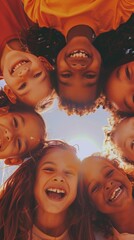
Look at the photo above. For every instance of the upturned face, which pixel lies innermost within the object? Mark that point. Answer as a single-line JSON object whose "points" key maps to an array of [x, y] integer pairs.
{"points": [[108, 187], [24, 73], [120, 87], [19, 133], [78, 68], [56, 181]]}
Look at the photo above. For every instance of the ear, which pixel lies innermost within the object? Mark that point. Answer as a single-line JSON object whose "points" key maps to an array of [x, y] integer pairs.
{"points": [[12, 97], [47, 64], [4, 110], [13, 161]]}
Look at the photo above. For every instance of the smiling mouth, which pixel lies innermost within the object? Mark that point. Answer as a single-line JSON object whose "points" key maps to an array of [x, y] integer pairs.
{"points": [[55, 193], [79, 54], [116, 193], [18, 65]]}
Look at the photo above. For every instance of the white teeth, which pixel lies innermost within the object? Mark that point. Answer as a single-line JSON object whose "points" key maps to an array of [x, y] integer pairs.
{"points": [[18, 65], [79, 54], [56, 190], [115, 194], [83, 55]]}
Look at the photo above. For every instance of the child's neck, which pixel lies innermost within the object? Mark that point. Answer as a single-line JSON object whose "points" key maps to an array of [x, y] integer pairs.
{"points": [[52, 224], [81, 30], [124, 221], [11, 45]]}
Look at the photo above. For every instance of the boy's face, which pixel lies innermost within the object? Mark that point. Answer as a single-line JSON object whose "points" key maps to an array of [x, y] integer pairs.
{"points": [[56, 181], [19, 133], [123, 137], [78, 68], [27, 77], [120, 87], [108, 188]]}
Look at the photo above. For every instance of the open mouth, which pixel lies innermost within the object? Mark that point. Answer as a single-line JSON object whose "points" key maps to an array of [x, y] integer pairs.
{"points": [[115, 194], [18, 65], [55, 193], [79, 54]]}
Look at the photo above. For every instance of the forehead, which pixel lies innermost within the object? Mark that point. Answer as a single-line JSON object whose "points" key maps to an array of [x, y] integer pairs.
{"points": [[60, 157], [91, 167]]}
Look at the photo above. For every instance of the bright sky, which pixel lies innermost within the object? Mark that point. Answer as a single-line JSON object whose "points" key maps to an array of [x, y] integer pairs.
{"points": [[85, 132]]}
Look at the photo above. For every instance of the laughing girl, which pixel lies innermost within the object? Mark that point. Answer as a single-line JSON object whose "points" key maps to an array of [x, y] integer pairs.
{"points": [[41, 196], [109, 195]]}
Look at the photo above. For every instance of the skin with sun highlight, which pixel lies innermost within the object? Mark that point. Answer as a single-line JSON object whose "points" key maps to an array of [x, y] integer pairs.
{"points": [[123, 137], [24, 73]]}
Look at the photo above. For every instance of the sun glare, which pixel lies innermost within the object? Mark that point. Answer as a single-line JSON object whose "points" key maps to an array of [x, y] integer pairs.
{"points": [[85, 146]]}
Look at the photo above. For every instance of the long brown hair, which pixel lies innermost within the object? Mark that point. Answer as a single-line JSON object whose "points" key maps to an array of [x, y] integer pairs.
{"points": [[17, 202]]}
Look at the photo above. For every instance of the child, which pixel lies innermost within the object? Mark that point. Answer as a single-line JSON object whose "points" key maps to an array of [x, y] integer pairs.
{"points": [[121, 138], [117, 51], [79, 63], [23, 72], [21, 131], [110, 197], [41, 196]]}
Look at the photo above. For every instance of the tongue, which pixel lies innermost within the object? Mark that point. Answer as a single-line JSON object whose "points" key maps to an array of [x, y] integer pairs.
{"points": [[54, 195]]}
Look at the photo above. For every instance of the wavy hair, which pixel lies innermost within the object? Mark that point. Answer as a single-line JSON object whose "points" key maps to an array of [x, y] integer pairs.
{"points": [[17, 202]]}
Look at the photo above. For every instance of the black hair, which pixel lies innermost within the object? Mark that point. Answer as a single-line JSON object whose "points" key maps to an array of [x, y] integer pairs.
{"points": [[117, 46], [43, 41]]}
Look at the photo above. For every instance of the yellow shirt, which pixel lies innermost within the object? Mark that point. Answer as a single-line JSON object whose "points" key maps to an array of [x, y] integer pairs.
{"points": [[101, 15]]}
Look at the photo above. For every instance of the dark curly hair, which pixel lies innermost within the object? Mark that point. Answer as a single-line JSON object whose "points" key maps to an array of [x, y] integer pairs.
{"points": [[116, 48], [43, 41]]}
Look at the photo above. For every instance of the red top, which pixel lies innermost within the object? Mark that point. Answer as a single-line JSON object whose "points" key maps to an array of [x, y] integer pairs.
{"points": [[13, 21]]}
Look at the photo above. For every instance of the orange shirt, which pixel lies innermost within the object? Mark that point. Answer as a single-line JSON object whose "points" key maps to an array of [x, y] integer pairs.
{"points": [[101, 15]]}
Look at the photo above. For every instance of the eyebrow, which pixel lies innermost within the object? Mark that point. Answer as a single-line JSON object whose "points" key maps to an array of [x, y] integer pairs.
{"points": [[45, 163], [22, 120], [107, 166]]}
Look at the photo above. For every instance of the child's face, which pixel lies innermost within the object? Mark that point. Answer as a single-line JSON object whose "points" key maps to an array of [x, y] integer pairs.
{"points": [[19, 133], [56, 181], [27, 77], [78, 68], [123, 137], [120, 87], [108, 188]]}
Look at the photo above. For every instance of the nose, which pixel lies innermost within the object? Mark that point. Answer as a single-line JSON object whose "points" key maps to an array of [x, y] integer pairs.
{"points": [[79, 63], [8, 135], [78, 66], [108, 185], [58, 179], [23, 71]]}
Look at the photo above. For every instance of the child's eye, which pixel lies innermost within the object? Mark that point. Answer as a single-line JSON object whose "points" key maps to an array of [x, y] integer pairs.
{"points": [[66, 75], [68, 173], [90, 75], [37, 75], [49, 170], [22, 86], [110, 173], [95, 188], [15, 122]]}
